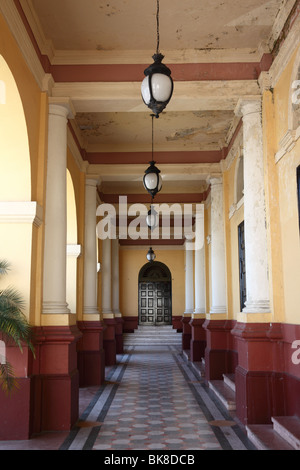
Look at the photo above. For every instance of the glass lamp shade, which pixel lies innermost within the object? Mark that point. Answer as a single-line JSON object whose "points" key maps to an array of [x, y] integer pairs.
{"points": [[152, 179], [157, 86], [151, 255]]}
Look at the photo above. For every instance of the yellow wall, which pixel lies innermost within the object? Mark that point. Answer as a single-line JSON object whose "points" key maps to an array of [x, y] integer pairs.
{"points": [[132, 260], [207, 233], [232, 246], [282, 206], [78, 192], [28, 176]]}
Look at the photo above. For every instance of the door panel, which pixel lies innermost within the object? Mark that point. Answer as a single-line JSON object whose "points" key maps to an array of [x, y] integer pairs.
{"points": [[155, 303]]}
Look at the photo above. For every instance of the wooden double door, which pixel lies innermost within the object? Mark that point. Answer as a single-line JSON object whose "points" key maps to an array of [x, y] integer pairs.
{"points": [[155, 303]]}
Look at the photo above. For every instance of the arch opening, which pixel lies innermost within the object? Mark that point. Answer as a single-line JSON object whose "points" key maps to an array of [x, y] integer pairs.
{"points": [[155, 294]]}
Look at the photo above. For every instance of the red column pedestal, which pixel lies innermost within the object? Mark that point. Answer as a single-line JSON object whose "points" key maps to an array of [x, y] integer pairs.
{"points": [[220, 353], [17, 409], [109, 341], [91, 359], [198, 340], [260, 380], [48, 398], [186, 332], [119, 335], [177, 323], [56, 381], [130, 324]]}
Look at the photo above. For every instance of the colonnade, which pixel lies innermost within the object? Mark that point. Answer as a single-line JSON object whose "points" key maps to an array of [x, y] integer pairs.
{"points": [[223, 339], [74, 351]]}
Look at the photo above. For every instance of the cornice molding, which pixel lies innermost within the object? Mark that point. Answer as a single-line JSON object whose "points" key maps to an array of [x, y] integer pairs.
{"points": [[16, 25], [287, 143], [286, 51], [29, 212]]}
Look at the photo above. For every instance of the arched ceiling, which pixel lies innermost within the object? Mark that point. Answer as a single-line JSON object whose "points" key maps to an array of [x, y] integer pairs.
{"points": [[96, 51]]}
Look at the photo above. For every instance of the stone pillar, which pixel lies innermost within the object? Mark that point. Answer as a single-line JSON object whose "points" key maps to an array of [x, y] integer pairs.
{"points": [[116, 296], [55, 254], [189, 297], [217, 353], [218, 272], [91, 361], [56, 372], [257, 279], [108, 315], [198, 340], [256, 382]]}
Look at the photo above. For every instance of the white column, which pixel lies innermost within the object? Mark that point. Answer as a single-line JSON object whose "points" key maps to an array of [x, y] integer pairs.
{"points": [[200, 304], [218, 269], [106, 270], [115, 278], [73, 253], [90, 248], [55, 253], [189, 281], [257, 282]]}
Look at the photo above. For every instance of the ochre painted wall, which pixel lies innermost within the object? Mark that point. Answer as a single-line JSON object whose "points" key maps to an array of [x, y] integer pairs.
{"points": [[284, 211], [132, 260], [27, 265]]}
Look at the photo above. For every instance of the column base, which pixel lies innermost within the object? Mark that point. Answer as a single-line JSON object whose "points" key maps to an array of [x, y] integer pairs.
{"points": [[119, 335], [186, 331], [90, 352], [260, 390], [109, 341], [130, 324], [177, 323], [198, 340], [220, 352], [56, 378]]}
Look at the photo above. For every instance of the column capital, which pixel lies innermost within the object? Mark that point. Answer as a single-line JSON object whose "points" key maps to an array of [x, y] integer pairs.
{"points": [[62, 106], [92, 180], [215, 180], [248, 105]]}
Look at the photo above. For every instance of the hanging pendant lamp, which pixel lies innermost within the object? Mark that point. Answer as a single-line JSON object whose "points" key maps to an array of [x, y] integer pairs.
{"points": [[152, 178], [151, 255], [157, 86]]}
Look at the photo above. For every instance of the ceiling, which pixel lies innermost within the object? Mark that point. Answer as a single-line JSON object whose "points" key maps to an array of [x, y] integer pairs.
{"points": [[97, 51]]}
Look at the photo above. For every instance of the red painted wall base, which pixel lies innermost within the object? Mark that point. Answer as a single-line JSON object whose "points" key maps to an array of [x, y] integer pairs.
{"points": [[119, 335], [48, 398], [220, 352], [130, 324], [90, 354], [109, 341], [198, 340], [186, 332]]}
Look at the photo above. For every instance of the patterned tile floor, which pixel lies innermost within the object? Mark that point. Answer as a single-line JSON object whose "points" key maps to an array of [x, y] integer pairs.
{"points": [[151, 400]]}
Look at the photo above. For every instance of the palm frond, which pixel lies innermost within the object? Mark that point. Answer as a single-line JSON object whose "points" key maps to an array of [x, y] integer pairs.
{"points": [[4, 267], [13, 327], [8, 380], [13, 322]]}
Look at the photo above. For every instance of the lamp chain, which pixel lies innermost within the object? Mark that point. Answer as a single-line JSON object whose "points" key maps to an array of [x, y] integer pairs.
{"points": [[152, 116], [157, 28]]}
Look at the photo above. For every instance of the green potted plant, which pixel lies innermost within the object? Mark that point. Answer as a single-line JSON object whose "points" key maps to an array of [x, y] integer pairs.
{"points": [[14, 328]]}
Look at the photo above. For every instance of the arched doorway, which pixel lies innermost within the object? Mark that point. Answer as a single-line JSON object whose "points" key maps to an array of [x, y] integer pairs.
{"points": [[155, 294]]}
